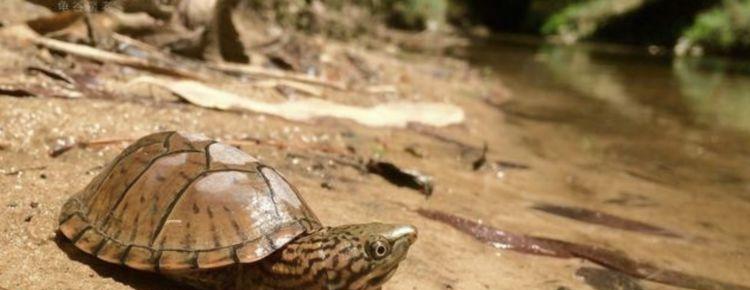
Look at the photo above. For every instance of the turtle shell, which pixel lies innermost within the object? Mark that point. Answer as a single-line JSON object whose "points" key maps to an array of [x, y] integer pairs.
{"points": [[174, 201]]}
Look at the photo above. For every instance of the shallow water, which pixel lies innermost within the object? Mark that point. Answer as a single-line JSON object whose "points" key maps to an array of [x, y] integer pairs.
{"points": [[653, 139], [686, 120]]}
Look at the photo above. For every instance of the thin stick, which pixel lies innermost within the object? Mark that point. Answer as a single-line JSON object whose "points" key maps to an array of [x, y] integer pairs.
{"points": [[271, 73], [55, 152], [100, 55], [21, 170]]}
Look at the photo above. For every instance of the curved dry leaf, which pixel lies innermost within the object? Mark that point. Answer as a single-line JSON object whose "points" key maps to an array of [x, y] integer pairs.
{"points": [[393, 114]]}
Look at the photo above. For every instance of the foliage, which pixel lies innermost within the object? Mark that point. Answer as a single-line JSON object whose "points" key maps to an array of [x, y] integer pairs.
{"points": [[722, 25], [725, 27], [581, 19], [417, 14], [349, 18]]}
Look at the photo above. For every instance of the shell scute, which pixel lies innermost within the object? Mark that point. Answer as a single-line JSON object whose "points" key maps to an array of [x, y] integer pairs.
{"points": [[135, 219], [174, 201], [118, 179], [222, 156]]}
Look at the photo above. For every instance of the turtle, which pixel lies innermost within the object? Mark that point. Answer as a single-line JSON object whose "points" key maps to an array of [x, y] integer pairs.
{"points": [[209, 215]]}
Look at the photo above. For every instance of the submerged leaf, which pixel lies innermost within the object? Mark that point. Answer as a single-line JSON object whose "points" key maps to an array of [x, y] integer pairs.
{"points": [[604, 219], [561, 249]]}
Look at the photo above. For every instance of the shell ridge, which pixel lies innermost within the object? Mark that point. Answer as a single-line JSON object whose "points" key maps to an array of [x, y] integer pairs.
{"points": [[260, 168], [157, 258], [168, 139], [125, 253], [170, 209], [164, 144], [299, 196], [109, 171], [80, 234], [130, 185], [133, 148], [118, 160], [101, 244], [235, 256], [208, 154], [71, 213]]}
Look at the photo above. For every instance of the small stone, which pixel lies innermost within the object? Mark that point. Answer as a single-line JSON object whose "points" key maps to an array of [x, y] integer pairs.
{"points": [[34, 204], [326, 185], [28, 218]]}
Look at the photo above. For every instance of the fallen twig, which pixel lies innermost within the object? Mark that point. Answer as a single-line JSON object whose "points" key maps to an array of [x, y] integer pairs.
{"points": [[63, 147], [507, 165], [356, 164], [52, 73], [27, 87], [429, 132], [284, 145], [152, 51], [302, 87], [13, 171], [271, 73], [24, 32]]}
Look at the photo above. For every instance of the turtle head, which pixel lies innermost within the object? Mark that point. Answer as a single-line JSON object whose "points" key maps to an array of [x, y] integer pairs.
{"points": [[373, 251], [362, 256]]}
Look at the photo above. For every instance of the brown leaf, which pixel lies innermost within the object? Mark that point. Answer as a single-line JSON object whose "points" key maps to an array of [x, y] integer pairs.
{"points": [[604, 219], [402, 178]]}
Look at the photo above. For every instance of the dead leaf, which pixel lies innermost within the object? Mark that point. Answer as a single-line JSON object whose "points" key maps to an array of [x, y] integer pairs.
{"points": [[403, 178], [604, 219], [54, 22], [604, 257], [393, 114]]}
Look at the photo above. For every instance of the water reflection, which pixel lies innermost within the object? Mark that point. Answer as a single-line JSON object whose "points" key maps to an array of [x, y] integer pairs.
{"points": [[705, 92], [716, 91], [580, 71], [681, 123]]}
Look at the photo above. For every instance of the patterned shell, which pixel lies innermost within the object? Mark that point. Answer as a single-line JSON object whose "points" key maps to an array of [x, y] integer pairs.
{"points": [[174, 201]]}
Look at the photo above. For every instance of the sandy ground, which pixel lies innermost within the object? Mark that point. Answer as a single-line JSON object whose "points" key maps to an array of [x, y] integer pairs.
{"points": [[711, 216]]}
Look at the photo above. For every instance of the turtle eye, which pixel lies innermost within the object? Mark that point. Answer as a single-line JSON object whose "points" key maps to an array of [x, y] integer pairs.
{"points": [[379, 249]]}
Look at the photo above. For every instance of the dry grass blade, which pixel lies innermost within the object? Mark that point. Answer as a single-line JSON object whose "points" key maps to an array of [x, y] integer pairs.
{"points": [[65, 147], [271, 73], [302, 87], [21, 170]]}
